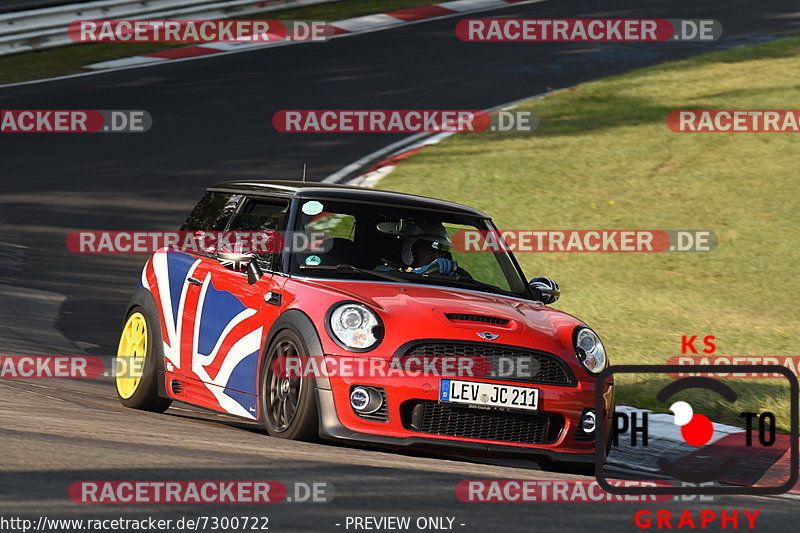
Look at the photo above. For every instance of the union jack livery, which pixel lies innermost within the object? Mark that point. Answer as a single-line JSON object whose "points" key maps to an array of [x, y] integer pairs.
{"points": [[210, 336], [367, 325]]}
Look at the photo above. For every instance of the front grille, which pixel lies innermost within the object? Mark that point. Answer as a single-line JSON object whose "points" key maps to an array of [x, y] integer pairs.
{"points": [[465, 317], [487, 361], [435, 418]]}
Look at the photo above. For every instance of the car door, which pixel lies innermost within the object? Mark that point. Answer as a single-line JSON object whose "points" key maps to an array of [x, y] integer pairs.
{"points": [[212, 319], [172, 278], [223, 347]]}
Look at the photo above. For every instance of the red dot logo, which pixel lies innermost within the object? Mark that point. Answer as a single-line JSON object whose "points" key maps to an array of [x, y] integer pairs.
{"points": [[696, 430]]}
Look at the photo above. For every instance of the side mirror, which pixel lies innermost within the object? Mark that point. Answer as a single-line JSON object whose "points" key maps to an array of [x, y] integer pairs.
{"points": [[545, 290], [254, 272], [235, 260]]}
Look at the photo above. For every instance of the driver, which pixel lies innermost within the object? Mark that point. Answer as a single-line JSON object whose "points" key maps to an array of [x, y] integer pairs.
{"points": [[429, 252]]}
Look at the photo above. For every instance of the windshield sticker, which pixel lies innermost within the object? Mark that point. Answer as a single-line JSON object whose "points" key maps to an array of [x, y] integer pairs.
{"points": [[312, 208], [313, 260]]}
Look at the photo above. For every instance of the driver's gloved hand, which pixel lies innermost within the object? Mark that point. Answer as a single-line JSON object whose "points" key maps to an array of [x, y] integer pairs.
{"points": [[446, 266]]}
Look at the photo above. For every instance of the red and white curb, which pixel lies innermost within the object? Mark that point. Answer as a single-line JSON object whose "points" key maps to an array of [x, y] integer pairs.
{"points": [[390, 156], [767, 468], [379, 170], [366, 23]]}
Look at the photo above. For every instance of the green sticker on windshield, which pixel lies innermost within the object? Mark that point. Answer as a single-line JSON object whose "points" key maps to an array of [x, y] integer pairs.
{"points": [[312, 208], [313, 260]]}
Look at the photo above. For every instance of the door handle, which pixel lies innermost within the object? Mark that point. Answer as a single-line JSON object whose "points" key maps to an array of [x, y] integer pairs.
{"points": [[194, 281]]}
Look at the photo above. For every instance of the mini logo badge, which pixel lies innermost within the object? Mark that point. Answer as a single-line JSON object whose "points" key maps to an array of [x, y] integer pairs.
{"points": [[489, 336]]}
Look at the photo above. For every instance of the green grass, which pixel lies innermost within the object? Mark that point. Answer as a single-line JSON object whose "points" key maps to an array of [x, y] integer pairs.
{"points": [[604, 158], [70, 59]]}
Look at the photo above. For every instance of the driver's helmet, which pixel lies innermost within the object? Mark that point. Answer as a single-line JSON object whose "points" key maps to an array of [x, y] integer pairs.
{"points": [[433, 235]]}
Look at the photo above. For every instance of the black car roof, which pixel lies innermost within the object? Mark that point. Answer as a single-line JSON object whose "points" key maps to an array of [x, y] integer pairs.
{"points": [[332, 191]]}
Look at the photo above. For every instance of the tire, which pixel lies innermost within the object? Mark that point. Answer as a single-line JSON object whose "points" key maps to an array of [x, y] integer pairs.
{"points": [[287, 405], [138, 341]]}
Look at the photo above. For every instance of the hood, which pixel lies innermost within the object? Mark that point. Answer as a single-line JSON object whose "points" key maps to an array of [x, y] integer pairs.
{"points": [[428, 311]]}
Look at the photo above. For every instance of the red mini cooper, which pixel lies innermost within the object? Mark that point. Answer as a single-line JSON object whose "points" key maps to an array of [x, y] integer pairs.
{"points": [[366, 324]]}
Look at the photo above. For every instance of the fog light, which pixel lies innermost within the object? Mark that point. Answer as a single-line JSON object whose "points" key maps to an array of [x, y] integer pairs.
{"points": [[365, 400], [588, 422]]}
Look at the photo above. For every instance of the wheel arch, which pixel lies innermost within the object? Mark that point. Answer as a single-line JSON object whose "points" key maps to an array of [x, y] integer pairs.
{"points": [[300, 323]]}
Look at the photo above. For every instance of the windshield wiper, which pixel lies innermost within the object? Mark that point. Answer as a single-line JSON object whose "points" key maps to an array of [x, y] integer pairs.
{"points": [[464, 280], [350, 268]]}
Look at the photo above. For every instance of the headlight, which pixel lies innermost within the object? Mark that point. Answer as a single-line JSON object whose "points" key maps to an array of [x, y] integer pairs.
{"points": [[354, 326], [590, 350]]}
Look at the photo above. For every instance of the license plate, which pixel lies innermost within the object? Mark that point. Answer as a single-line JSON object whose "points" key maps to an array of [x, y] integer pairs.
{"points": [[489, 394]]}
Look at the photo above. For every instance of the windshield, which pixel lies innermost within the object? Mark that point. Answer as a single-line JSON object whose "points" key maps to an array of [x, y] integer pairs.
{"points": [[361, 241]]}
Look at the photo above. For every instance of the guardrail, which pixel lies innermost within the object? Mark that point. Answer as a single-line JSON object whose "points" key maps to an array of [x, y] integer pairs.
{"points": [[36, 29], [7, 6]]}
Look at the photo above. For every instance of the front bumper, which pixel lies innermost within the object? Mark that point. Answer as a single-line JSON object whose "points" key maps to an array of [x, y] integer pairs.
{"points": [[563, 403]]}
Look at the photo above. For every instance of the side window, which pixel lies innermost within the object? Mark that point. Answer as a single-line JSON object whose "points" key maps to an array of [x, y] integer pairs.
{"points": [[212, 212], [262, 215]]}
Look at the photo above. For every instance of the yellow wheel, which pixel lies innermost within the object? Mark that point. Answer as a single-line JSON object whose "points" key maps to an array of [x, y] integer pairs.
{"points": [[139, 358], [132, 352]]}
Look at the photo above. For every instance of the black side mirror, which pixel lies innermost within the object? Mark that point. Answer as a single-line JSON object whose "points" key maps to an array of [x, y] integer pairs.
{"points": [[254, 272], [545, 290]]}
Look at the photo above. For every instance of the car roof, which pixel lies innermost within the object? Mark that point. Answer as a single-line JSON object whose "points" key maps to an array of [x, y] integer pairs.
{"points": [[333, 191]]}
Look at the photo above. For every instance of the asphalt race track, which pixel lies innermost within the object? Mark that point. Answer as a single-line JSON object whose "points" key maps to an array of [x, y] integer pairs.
{"points": [[212, 121]]}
